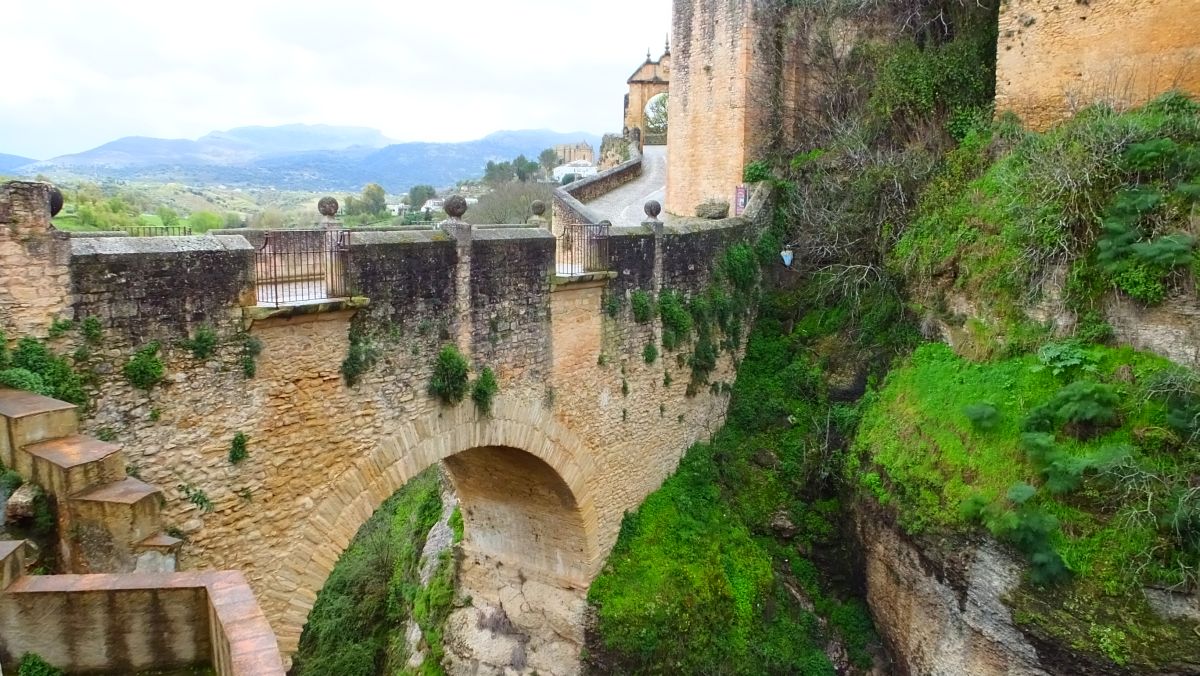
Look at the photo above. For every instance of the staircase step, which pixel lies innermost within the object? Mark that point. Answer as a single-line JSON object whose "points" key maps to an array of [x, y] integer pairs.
{"points": [[69, 465], [12, 562], [29, 418], [129, 508], [158, 553]]}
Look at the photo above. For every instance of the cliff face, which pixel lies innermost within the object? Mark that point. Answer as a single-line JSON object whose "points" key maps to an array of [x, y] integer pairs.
{"points": [[943, 616], [943, 608]]}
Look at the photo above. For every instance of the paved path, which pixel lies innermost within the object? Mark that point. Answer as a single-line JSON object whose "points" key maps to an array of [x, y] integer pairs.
{"points": [[623, 206]]}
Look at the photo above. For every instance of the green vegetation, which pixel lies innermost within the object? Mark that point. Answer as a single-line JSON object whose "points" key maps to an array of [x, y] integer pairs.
{"points": [[196, 496], [449, 381], [34, 367], [650, 353], [1110, 194], [202, 344], [93, 330], [359, 358], [251, 348], [32, 664], [1083, 467], [642, 306], [238, 449], [145, 369], [698, 576], [356, 625], [483, 391]]}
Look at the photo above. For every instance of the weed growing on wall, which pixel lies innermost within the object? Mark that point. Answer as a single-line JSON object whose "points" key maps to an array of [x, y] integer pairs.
{"points": [[238, 448], [361, 355], [641, 305], [449, 381], [483, 391], [196, 496], [32, 664], [203, 343], [251, 348], [60, 327], [92, 329], [144, 369]]}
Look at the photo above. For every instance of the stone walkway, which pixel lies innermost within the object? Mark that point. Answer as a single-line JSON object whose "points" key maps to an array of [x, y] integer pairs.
{"points": [[623, 206]]}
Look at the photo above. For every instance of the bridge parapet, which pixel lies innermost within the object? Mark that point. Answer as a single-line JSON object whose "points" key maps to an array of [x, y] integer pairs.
{"points": [[569, 207]]}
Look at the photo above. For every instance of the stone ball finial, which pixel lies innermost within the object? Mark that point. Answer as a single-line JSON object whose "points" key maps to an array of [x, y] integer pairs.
{"points": [[56, 200], [538, 207], [653, 209], [328, 206], [455, 206]]}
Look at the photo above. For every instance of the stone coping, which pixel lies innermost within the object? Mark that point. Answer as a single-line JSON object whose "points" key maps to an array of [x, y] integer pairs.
{"points": [[107, 246], [252, 648], [561, 282], [510, 233], [368, 238], [261, 312]]}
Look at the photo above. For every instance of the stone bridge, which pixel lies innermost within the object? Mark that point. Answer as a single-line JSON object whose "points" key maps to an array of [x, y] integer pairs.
{"points": [[334, 399]]}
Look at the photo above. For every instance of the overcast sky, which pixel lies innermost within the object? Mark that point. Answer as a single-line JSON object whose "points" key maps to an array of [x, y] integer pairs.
{"points": [[85, 72]]}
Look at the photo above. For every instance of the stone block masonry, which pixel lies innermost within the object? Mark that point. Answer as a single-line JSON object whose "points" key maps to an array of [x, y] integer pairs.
{"points": [[581, 430], [1054, 57]]}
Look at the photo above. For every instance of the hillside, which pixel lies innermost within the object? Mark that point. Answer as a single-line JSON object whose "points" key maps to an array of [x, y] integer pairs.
{"points": [[295, 157], [11, 162]]}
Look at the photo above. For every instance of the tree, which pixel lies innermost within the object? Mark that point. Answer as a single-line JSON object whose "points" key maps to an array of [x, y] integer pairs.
{"points": [[549, 160], [510, 202], [168, 216], [234, 220], [203, 221], [418, 195], [656, 115], [374, 199], [496, 174], [524, 168], [569, 178]]}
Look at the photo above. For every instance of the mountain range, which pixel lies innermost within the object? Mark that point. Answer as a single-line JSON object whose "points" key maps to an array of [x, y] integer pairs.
{"points": [[294, 157]]}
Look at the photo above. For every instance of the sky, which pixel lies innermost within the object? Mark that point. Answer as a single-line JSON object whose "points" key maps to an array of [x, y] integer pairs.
{"points": [[90, 71]]}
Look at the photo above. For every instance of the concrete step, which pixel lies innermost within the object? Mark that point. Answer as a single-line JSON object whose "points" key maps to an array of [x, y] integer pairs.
{"points": [[70, 465], [12, 562], [158, 553], [28, 418], [128, 509]]}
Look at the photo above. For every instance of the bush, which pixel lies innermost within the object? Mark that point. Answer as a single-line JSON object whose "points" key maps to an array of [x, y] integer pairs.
{"points": [[238, 450], [59, 379], [983, 416], [145, 369], [203, 344], [650, 353], [360, 357], [484, 391], [641, 305], [93, 330], [33, 665], [24, 379], [756, 172], [449, 381]]}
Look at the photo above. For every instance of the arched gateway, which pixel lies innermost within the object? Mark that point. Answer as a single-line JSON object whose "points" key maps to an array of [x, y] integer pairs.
{"points": [[522, 479]]}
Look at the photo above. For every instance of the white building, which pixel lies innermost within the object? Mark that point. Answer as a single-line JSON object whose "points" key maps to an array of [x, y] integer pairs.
{"points": [[581, 169]]}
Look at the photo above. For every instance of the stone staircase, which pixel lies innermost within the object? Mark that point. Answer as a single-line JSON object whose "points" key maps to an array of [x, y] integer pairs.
{"points": [[108, 522]]}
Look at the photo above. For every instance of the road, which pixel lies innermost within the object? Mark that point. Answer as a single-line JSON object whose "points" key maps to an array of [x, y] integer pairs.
{"points": [[624, 206]]}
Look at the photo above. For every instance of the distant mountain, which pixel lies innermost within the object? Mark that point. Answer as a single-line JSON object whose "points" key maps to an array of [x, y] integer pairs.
{"points": [[11, 162], [301, 157]]}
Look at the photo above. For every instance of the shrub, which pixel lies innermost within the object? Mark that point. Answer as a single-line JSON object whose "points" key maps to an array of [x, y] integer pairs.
{"points": [[983, 416], [650, 353], [238, 448], [251, 348], [449, 382], [483, 392], [145, 369], [59, 379], [360, 356], [203, 344], [197, 497], [93, 330], [33, 665], [24, 379], [59, 327], [757, 171], [676, 320], [641, 305]]}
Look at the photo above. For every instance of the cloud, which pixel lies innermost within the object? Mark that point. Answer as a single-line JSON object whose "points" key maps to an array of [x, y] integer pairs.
{"points": [[93, 71]]}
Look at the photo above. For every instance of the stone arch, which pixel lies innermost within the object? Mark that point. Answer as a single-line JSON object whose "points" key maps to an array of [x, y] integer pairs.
{"points": [[512, 428], [651, 79]]}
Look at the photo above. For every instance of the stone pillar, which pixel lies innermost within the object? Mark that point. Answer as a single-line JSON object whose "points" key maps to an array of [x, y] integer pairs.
{"points": [[653, 209], [460, 230], [538, 219], [35, 277]]}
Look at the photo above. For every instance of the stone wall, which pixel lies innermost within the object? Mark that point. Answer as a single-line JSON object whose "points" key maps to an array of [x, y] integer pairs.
{"points": [[568, 207], [723, 80], [576, 394], [34, 288], [120, 624], [1054, 57]]}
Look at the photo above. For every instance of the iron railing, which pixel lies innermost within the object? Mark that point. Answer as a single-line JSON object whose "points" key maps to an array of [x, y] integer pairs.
{"points": [[582, 249], [302, 266], [158, 230]]}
